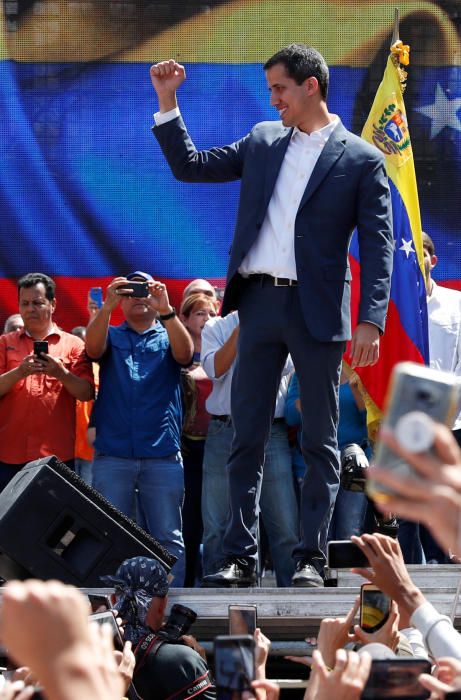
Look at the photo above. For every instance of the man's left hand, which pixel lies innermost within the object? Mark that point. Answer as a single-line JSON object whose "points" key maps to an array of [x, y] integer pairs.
{"points": [[159, 297], [52, 366], [365, 345]]}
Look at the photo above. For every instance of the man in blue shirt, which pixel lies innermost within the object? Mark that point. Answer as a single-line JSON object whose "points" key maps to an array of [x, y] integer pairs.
{"points": [[137, 414]]}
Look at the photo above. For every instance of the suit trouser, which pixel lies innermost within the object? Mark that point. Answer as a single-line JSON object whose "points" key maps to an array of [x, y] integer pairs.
{"points": [[271, 326]]}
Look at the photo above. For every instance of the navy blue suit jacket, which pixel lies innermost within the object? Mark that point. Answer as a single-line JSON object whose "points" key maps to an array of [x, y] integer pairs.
{"points": [[348, 188]]}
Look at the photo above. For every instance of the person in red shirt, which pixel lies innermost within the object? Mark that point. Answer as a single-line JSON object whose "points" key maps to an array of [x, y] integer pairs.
{"points": [[38, 392]]}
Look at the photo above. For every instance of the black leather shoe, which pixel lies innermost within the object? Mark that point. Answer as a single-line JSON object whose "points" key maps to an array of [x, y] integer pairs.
{"points": [[306, 575], [234, 571]]}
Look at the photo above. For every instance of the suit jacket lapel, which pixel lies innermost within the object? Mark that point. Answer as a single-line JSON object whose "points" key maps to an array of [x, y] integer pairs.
{"points": [[333, 150], [274, 162]]}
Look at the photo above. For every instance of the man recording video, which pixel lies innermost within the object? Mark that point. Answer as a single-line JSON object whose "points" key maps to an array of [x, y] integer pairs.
{"points": [[43, 370], [137, 414]]}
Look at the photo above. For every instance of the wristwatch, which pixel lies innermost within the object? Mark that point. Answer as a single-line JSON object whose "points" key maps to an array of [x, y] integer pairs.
{"points": [[166, 317]]}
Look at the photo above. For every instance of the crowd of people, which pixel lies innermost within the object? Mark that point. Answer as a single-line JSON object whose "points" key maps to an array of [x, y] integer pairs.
{"points": [[65, 655], [157, 440]]}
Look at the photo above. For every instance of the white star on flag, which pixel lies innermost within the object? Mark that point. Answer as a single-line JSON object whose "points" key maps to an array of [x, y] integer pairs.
{"points": [[407, 247], [442, 112]]}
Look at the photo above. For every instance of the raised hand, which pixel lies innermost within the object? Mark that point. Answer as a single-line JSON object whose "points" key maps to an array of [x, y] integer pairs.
{"points": [[167, 77]]}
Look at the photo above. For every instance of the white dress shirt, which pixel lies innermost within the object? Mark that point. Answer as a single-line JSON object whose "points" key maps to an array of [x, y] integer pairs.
{"points": [[164, 117], [444, 320], [214, 334], [273, 252]]}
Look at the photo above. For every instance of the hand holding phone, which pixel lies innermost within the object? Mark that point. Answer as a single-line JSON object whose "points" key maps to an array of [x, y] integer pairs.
{"points": [[234, 662], [396, 678], [95, 297], [414, 390], [344, 554], [108, 618], [375, 608], [242, 619], [134, 289], [40, 346]]}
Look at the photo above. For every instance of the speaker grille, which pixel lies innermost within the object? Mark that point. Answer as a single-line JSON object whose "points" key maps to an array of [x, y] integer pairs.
{"points": [[150, 542]]}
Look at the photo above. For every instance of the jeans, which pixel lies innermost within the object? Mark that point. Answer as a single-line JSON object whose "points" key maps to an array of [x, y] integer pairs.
{"points": [[410, 543], [278, 504], [83, 467], [348, 515], [160, 486]]}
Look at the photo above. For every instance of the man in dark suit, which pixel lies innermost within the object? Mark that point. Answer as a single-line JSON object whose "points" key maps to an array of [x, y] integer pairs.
{"points": [[306, 184]]}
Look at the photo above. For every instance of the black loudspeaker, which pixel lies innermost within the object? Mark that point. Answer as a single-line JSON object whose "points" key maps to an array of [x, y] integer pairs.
{"points": [[53, 525]]}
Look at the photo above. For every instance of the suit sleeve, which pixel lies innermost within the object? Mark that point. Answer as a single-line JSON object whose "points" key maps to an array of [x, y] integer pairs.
{"points": [[190, 165], [376, 242]]}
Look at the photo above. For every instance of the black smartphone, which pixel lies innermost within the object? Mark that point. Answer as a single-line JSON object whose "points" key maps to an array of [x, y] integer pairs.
{"points": [[40, 346], [234, 664], [396, 678], [242, 619], [134, 289], [99, 602], [344, 554], [108, 618], [96, 296], [375, 607]]}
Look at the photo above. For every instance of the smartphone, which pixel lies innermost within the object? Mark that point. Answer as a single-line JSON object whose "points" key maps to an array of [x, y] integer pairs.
{"points": [[96, 296], [108, 618], [344, 554], [234, 664], [413, 387], [375, 607], [396, 678], [134, 289], [40, 346], [98, 601], [242, 619]]}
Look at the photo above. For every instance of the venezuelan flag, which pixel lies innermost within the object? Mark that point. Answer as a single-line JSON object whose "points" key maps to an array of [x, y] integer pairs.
{"points": [[406, 335], [85, 193]]}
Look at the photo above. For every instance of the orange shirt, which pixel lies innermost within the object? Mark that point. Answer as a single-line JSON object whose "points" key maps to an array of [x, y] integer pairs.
{"points": [[37, 416], [83, 414]]}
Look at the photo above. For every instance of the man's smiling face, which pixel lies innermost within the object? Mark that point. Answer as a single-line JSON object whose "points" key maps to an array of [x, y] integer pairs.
{"points": [[291, 100]]}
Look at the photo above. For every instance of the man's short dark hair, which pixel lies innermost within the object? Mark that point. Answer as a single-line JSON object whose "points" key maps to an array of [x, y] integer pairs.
{"points": [[302, 62], [428, 243], [34, 278]]}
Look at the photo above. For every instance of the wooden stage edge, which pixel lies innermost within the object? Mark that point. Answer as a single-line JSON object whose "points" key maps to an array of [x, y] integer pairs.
{"points": [[291, 614]]}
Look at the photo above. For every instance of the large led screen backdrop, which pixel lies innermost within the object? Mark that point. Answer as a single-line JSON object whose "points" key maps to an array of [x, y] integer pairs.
{"points": [[84, 191]]}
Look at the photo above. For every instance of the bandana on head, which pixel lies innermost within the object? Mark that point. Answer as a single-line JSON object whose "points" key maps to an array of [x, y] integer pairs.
{"points": [[136, 582]]}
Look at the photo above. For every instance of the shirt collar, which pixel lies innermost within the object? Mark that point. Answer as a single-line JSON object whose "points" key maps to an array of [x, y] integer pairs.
{"points": [[434, 287], [125, 326], [55, 330], [322, 134]]}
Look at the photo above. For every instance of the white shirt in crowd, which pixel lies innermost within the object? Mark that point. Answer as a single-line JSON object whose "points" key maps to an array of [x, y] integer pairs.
{"points": [[214, 334], [440, 637], [444, 320]]}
